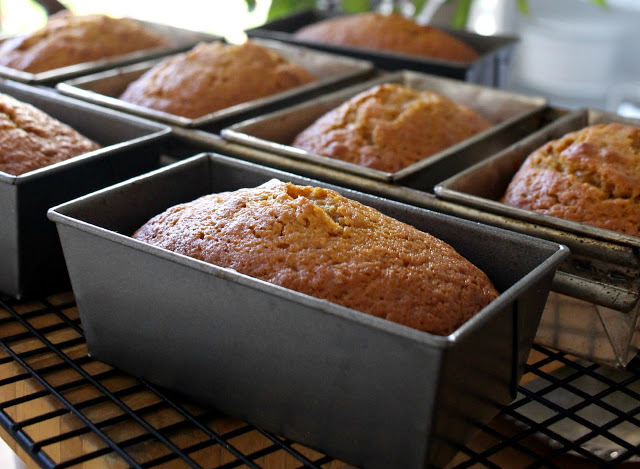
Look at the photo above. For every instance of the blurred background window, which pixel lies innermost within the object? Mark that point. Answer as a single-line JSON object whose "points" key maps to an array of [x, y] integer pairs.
{"points": [[223, 17], [574, 52]]}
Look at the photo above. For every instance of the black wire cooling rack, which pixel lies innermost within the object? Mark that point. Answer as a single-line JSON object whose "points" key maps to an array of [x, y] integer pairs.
{"points": [[65, 409]]}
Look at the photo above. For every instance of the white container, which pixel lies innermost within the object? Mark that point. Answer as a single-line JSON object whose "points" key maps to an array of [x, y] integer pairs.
{"points": [[572, 48]]}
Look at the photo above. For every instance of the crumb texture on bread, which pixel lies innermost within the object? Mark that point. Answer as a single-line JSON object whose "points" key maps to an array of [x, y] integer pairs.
{"points": [[390, 127], [69, 39], [214, 76], [392, 32], [315, 241], [591, 176], [31, 139]]}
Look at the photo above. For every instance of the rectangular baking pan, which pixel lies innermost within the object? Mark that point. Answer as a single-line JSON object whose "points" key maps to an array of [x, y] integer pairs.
{"points": [[360, 388], [182, 39], [490, 68], [604, 269], [275, 131], [31, 260], [331, 70]]}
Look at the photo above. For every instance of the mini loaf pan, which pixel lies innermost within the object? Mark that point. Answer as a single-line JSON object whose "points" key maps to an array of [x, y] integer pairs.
{"points": [[359, 388], [491, 68], [182, 39], [275, 131], [604, 268], [331, 71], [31, 260]]}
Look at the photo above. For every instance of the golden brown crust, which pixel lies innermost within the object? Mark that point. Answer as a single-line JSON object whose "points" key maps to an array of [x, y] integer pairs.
{"points": [[317, 242], [70, 39], [31, 139], [591, 176], [390, 127], [391, 32], [214, 76]]}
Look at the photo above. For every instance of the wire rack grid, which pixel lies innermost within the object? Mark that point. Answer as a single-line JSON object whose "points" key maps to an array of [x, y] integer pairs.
{"points": [[61, 408]]}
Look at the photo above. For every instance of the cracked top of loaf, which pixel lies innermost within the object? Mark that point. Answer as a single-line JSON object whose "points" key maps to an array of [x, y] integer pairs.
{"points": [[392, 32], [390, 127], [31, 139], [69, 39], [315, 241], [591, 176], [214, 76]]}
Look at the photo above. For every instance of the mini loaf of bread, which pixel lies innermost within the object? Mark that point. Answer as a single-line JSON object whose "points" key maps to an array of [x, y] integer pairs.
{"points": [[392, 32], [591, 176], [317, 242], [214, 76], [390, 127], [69, 39], [31, 139]]}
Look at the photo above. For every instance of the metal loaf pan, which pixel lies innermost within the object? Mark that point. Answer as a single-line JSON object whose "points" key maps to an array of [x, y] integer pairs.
{"points": [[331, 70], [604, 268], [275, 131], [182, 39], [490, 68], [31, 259], [359, 388]]}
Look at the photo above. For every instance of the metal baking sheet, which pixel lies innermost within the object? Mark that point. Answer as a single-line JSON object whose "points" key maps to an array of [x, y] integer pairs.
{"points": [[275, 131], [31, 259], [318, 373], [332, 71], [491, 68], [604, 269], [182, 39]]}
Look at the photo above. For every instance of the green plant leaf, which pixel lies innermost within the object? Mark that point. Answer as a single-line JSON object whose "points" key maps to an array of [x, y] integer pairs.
{"points": [[355, 6], [419, 4], [461, 15], [523, 6], [283, 7]]}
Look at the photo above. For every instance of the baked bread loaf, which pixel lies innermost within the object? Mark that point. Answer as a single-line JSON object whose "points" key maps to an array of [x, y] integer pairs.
{"points": [[31, 139], [591, 176], [214, 76], [69, 39], [390, 127], [317, 242], [391, 32]]}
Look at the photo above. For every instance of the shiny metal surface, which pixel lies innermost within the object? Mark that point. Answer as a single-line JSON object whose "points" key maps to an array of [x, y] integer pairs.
{"points": [[222, 337], [30, 253]]}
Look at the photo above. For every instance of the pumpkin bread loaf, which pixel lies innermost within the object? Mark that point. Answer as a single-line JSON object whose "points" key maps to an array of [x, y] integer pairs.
{"points": [[315, 241], [214, 76], [31, 139], [69, 39], [391, 32], [390, 127], [590, 176]]}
